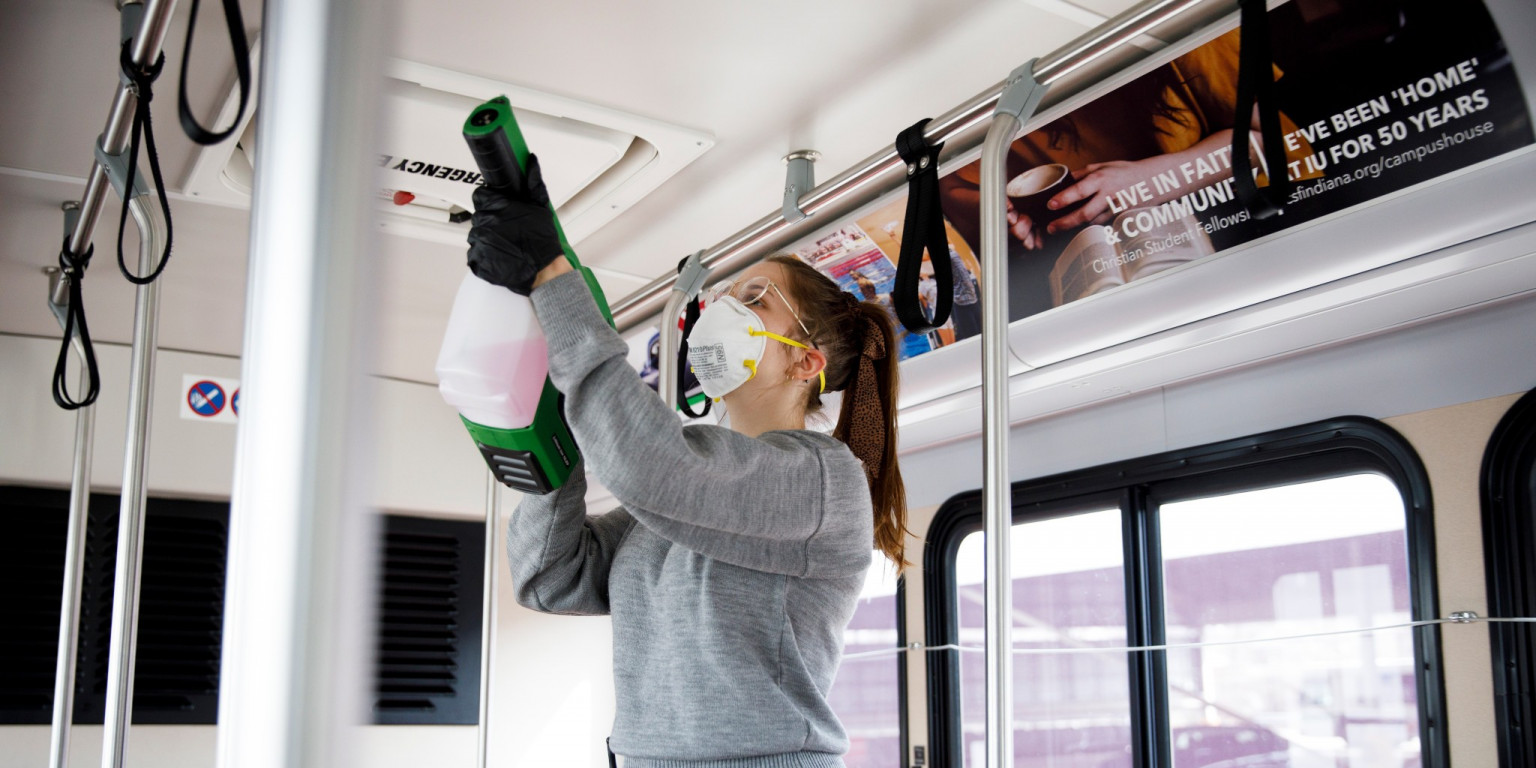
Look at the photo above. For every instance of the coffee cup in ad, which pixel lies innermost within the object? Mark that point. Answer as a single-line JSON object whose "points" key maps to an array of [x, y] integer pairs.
{"points": [[1032, 189]]}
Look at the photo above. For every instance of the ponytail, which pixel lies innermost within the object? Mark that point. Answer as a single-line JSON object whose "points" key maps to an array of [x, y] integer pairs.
{"points": [[859, 340], [867, 424]]}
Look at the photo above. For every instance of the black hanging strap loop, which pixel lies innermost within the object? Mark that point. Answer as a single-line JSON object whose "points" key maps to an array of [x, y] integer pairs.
{"points": [[923, 228], [242, 53], [73, 268], [1256, 83], [143, 85], [690, 316]]}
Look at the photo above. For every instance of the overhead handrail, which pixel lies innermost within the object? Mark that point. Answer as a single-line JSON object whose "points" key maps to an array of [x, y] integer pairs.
{"points": [[1069, 70], [144, 51]]}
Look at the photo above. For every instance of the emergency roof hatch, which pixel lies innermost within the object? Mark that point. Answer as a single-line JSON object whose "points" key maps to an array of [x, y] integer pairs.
{"points": [[597, 161]]}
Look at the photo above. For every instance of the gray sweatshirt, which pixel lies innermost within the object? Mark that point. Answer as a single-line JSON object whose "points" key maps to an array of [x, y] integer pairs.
{"points": [[730, 571]]}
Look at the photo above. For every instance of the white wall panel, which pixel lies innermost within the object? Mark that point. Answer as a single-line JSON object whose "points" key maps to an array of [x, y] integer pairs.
{"points": [[426, 462], [1466, 357]]}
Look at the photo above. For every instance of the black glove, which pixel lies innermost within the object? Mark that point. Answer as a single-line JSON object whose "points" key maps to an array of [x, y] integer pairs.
{"points": [[513, 232]]}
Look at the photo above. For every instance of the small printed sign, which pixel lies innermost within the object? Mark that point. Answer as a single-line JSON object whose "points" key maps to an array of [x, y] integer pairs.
{"points": [[210, 398], [206, 398]]}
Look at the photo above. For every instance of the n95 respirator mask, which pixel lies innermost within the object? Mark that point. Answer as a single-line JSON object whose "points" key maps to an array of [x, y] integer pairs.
{"points": [[727, 344]]}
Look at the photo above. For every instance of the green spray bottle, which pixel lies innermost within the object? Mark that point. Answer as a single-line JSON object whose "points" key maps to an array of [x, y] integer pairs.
{"points": [[494, 363]]}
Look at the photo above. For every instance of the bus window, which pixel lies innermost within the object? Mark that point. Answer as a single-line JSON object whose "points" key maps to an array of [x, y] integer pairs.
{"points": [[1068, 593], [1310, 558], [1281, 569], [866, 694]]}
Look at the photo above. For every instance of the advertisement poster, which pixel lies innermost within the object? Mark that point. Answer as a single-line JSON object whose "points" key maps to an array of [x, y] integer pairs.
{"points": [[862, 258], [1374, 96]]}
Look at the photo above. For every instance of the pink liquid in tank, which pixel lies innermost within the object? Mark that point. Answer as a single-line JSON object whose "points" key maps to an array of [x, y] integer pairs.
{"points": [[494, 359]]}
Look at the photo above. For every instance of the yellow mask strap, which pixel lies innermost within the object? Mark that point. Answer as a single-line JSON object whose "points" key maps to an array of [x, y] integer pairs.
{"points": [[785, 339]]}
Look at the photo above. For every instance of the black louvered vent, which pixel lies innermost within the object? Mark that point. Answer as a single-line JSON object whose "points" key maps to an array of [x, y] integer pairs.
{"points": [[181, 607], [31, 552], [429, 622], [428, 641]]}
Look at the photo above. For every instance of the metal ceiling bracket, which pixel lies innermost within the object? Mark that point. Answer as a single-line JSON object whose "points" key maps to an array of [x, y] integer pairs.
{"points": [[58, 282], [130, 20], [690, 279], [1021, 93], [800, 179], [117, 175]]}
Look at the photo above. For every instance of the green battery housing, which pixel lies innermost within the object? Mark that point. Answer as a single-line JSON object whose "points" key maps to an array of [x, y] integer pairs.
{"points": [[537, 458]]}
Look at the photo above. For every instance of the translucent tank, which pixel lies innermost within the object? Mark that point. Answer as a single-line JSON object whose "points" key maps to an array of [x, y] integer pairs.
{"points": [[494, 360]]}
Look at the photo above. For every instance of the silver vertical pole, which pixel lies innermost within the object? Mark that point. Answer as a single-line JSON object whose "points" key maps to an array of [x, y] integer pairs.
{"points": [[488, 615], [74, 566], [997, 499], [666, 356], [130, 517], [690, 280], [300, 594], [1019, 98]]}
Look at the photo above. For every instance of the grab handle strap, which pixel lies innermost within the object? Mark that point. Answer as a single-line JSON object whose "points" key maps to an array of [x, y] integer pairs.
{"points": [[923, 228], [1256, 83], [241, 48]]}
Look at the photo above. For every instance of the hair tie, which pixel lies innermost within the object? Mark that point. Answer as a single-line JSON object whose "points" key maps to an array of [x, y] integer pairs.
{"points": [[851, 302], [866, 427], [874, 342]]}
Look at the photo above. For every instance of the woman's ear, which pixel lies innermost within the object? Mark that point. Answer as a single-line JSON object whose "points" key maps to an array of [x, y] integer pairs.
{"points": [[812, 362]]}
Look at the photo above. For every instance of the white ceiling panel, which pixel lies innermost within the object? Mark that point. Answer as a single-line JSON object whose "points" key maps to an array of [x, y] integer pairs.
{"points": [[765, 79], [756, 80], [202, 296]]}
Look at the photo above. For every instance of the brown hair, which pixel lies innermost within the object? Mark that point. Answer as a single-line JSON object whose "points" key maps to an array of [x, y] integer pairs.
{"points": [[859, 340]]}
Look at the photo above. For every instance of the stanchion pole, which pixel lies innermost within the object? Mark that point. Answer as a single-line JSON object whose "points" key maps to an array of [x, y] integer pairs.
{"points": [[1018, 101], [301, 588], [130, 516], [74, 567], [488, 615]]}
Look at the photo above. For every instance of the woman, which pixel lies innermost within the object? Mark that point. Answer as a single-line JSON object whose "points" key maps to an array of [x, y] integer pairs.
{"points": [[736, 560]]}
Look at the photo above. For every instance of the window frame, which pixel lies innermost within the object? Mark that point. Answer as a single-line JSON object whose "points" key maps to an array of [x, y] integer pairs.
{"points": [[1508, 490], [1315, 451]]}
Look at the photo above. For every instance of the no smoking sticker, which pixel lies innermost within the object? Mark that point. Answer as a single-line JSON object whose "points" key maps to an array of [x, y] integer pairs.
{"points": [[210, 398], [206, 398]]}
